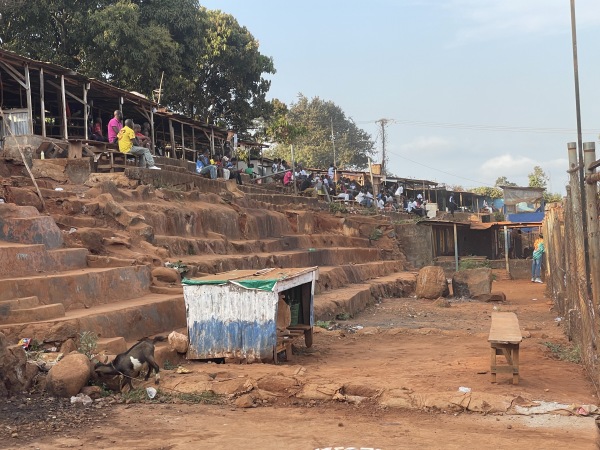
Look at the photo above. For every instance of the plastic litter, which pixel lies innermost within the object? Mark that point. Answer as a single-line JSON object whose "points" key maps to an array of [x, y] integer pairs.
{"points": [[558, 319], [24, 342], [151, 392], [58, 189], [72, 230], [464, 389], [81, 399]]}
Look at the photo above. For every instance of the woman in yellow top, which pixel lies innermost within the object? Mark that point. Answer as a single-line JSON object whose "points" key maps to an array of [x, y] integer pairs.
{"points": [[128, 143]]}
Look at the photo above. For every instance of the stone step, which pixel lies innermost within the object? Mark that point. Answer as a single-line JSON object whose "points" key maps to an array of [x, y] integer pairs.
{"points": [[355, 298], [111, 346], [130, 319], [190, 246], [31, 230], [80, 288], [22, 260], [18, 303], [211, 264], [35, 314], [338, 276]]}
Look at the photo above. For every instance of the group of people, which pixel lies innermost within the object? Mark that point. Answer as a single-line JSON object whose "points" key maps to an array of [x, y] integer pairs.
{"points": [[128, 136]]}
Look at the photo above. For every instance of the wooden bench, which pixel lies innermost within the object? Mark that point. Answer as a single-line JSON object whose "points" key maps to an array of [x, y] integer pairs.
{"points": [[505, 337], [107, 156], [284, 342]]}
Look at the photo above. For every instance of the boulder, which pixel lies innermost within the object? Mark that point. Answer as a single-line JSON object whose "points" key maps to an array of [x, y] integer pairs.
{"points": [[166, 275], [68, 346], [69, 375], [432, 283], [495, 296], [178, 342], [13, 373], [278, 384], [61, 332], [472, 282]]}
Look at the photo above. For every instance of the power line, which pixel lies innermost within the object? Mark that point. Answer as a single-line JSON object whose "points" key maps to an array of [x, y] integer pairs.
{"points": [[475, 127], [442, 171]]}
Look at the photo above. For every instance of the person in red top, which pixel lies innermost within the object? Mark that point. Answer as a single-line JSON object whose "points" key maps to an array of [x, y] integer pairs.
{"points": [[97, 134], [144, 141]]}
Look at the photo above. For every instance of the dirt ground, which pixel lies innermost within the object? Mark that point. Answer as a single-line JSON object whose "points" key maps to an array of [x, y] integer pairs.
{"points": [[398, 344]]}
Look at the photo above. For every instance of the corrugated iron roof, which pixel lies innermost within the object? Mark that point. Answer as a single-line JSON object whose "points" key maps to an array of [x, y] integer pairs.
{"points": [[250, 275]]}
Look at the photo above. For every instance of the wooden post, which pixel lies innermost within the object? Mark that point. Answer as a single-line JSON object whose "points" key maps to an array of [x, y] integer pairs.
{"points": [[153, 143], [42, 103], [294, 171], [194, 140], [212, 141], [456, 246], [182, 143], [584, 307], [85, 111], [506, 249], [29, 104], [172, 135], [64, 107], [589, 156]]}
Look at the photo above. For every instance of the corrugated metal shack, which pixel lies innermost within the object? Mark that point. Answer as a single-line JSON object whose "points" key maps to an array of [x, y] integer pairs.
{"points": [[249, 315]]}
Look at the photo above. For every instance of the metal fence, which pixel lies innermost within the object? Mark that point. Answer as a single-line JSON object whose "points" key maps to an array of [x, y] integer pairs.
{"points": [[572, 251]]}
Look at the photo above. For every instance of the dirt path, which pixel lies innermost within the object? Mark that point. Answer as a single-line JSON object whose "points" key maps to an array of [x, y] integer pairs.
{"points": [[399, 344]]}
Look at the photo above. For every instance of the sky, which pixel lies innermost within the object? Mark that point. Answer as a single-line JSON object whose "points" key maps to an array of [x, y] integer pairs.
{"points": [[472, 89]]}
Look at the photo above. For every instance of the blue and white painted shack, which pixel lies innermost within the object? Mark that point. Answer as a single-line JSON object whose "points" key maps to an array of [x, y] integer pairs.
{"points": [[249, 315]]}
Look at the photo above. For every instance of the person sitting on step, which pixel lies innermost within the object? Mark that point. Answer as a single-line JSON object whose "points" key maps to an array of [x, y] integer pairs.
{"points": [[129, 144]]}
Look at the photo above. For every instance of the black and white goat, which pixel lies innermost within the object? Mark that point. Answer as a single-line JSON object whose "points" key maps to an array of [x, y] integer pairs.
{"points": [[130, 363]]}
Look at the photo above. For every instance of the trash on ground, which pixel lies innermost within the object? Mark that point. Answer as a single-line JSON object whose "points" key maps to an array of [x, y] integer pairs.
{"points": [[151, 392], [81, 399], [464, 389]]}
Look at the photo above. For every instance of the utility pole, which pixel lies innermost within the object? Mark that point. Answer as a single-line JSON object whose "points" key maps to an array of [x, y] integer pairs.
{"points": [[333, 142], [580, 145], [383, 123]]}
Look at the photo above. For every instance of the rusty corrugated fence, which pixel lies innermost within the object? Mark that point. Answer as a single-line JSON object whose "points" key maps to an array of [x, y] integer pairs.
{"points": [[572, 281]]}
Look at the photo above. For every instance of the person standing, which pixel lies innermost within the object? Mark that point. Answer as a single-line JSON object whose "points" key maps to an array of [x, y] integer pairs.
{"points": [[114, 126], [128, 143], [536, 264], [452, 206]]}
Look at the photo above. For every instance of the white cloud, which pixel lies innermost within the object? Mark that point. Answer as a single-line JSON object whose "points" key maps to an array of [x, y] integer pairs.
{"points": [[499, 19], [508, 166], [427, 145]]}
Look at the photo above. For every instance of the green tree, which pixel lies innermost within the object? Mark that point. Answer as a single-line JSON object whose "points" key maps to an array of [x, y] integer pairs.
{"points": [[503, 181], [230, 89], [486, 191], [538, 178], [212, 66], [313, 145]]}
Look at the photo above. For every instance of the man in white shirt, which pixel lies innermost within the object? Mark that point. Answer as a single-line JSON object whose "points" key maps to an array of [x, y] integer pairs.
{"points": [[331, 171]]}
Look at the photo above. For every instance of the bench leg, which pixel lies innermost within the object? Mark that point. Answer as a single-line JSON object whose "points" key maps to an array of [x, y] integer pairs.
{"points": [[493, 365], [515, 364]]}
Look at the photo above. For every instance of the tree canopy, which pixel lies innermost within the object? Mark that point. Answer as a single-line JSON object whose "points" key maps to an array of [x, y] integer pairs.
{"points": [[538, 178], [308, 125], [213, 69]]}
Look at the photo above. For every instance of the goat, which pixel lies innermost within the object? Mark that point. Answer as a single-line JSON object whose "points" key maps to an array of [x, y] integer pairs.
{"points": [[129, 364]]}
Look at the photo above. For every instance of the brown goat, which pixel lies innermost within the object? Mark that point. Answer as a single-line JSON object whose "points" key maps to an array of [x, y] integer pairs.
{"points": [[130, 363]]}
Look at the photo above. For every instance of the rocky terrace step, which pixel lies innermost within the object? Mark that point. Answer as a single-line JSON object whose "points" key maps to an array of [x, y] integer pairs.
{"points": [[35, 314], [80, 288], [131, 319], [355, 298], [336, 277], [21, 259], [211, 264], [18, 303], [193, 246]]}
